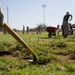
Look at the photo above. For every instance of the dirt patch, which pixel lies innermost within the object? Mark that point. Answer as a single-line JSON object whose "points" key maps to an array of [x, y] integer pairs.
{"points": [[66, 58], [9, 56], [63, 57]]}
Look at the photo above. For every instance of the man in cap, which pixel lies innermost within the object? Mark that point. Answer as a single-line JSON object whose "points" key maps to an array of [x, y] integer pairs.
{"points": [[66, 18]]}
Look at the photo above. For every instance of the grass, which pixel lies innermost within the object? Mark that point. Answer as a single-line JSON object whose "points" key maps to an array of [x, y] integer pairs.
{"points": [[56, 50]]}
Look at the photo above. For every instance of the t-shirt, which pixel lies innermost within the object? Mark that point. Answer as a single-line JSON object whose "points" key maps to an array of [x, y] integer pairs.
{"points": [[66, 17]]}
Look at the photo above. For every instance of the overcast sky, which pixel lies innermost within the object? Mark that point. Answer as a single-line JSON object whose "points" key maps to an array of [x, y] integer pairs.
{"points": [[30, 12]]}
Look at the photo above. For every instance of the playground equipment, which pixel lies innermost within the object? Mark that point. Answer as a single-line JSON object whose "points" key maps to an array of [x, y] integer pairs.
{"points": [[20, 40], [51, 31]]}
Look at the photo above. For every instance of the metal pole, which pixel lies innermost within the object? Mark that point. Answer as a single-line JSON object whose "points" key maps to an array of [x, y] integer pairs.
{"points": [[44, 15], [7, 16]]}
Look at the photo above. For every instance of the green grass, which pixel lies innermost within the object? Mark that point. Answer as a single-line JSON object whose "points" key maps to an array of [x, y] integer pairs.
{"points": [[56, 50]]}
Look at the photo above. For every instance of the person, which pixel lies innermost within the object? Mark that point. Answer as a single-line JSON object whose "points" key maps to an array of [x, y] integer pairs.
{"points": [[68, 17], [70, 29], [27, 29], [1, 22], [58, 28], [23, 29], [1, 17], [62, 30]]}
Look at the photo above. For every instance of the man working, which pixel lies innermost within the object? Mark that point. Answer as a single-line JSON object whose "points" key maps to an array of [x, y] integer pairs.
{"points": [[66, 18], [1, 17]]}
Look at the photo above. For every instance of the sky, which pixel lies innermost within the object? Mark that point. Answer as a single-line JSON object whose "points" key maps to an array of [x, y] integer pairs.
{"points": [[31, 12]]}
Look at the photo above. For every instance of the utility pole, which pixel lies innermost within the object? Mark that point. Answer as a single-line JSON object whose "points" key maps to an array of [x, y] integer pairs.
{"points": [[7, 15], [44, 5], [7, 18]]}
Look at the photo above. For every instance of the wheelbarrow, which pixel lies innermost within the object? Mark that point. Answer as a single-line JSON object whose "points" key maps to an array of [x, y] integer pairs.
{"points": [[51, 31]]}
